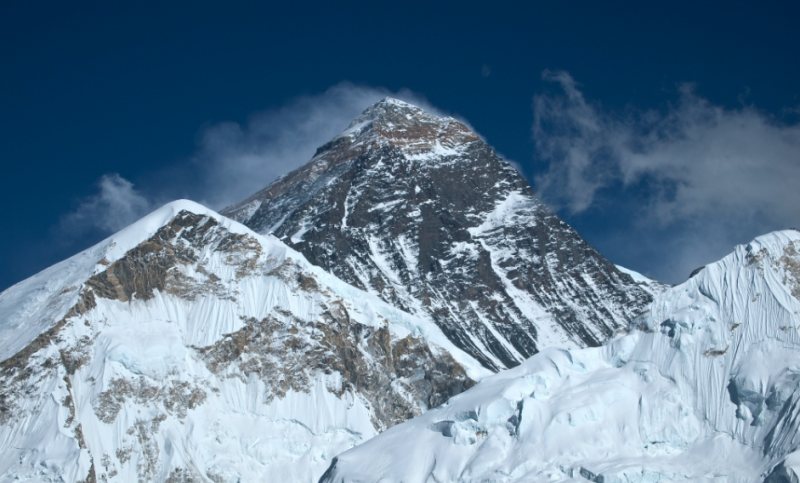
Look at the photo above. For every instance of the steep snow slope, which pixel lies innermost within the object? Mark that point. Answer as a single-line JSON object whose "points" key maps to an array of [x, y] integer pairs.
{"points": [[188, 348], [418, 210], [705, 387]]}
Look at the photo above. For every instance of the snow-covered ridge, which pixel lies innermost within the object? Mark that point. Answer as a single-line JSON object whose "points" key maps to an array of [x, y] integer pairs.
{"points": [[17, 315], [31, 306], [654, 287], [704, 387], [186, 347]]}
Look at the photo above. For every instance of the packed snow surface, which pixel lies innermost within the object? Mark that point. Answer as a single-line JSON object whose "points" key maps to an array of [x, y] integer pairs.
{"points": [[704, 387]]}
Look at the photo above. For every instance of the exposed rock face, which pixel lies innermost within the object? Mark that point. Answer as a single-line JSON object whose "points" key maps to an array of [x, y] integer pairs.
{"points": [[197, 350], [419, 211]]}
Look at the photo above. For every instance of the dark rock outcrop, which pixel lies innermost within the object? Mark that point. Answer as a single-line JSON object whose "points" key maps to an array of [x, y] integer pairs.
{"points": [[420, 211]]}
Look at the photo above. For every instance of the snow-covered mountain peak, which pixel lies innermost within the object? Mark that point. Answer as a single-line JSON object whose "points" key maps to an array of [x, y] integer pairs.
{"points": [[188, 348], [119, 243], [395, 112], [23, 316], [703, 387], [419, 211], [390, 107]]}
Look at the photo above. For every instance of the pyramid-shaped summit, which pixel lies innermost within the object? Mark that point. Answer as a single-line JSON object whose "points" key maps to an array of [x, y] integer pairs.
{"points": [[418, 210], [407, 127], [391, 110], [389, 107]]}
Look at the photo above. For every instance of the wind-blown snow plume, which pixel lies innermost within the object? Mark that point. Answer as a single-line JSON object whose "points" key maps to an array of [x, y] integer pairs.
{"points": [[238, 159], [115, 205], [234, 160]]}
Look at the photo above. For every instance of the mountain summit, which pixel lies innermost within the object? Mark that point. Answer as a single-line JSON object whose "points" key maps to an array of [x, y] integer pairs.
{"points": [[389, 122], [419, 211], [407, 127]]}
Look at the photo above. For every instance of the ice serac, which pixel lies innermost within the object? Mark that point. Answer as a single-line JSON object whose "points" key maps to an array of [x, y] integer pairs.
{"points": [[189, 348], [704, 387], [418, 210]]}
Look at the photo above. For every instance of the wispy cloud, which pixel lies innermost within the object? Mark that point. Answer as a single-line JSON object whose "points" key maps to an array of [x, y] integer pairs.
{"points": [[234, 160], [703, 158], [115, 205], [695, 165], [239, 160]]}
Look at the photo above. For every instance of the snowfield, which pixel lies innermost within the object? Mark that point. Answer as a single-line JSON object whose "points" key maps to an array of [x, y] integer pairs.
{"points": [[704, 387]]}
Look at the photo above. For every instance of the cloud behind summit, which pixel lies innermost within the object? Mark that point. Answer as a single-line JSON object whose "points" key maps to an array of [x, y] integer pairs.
{"points": [[666, 190], [697, 172], [233, 160]]}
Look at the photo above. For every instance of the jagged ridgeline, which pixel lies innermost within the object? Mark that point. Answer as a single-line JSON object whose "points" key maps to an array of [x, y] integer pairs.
{"points": [[418, 210]]}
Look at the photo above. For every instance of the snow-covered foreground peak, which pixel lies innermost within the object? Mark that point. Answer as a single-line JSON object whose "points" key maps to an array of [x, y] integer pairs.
{"points": [[31, 306], [188, 348], [704, 387]]}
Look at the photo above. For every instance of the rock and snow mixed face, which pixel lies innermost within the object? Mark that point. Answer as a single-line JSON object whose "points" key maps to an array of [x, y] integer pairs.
{"points": [[704, 387], [417, 210], [188, 348]]}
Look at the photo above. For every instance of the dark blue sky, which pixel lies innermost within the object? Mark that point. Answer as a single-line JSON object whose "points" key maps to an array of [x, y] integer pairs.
{"points": [[130, 87]]}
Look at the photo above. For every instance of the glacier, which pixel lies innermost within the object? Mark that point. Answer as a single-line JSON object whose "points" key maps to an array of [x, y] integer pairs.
{"points": [[702, 387]]}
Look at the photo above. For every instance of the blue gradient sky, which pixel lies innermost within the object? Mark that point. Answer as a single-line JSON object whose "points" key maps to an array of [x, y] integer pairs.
{"points": [[111, 108]]}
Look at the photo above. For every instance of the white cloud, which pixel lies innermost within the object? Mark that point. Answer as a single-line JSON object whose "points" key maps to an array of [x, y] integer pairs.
{"points": [[700, 158], [115, 205], [707, 177]]}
